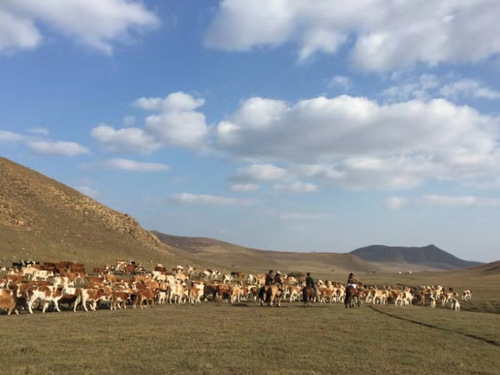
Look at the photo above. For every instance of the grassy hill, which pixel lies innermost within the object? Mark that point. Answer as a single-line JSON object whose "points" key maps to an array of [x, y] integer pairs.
{"points": [[234, 257], [429, 256], [45, 220]]}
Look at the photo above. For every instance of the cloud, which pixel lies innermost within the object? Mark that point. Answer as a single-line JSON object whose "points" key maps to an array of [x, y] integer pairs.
{"points": [[17, 32], [461, 201], [176, 125], [384, 35], [429, 86], [95, 23], [356, 142], [180, 129], [204, 199], [175, 102], [341, 82], [134, 166], [395, 203], [126, 139], [39, 131], [296, 187], [244, 187], [261, 173], [8, 136], [58, 148], [468, 88]]}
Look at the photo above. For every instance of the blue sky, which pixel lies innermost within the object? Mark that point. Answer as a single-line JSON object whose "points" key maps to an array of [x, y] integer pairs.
{"points": [[277, 125]]}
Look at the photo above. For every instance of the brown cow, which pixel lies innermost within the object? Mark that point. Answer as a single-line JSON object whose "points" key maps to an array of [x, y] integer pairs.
{"points": [[147, 295], [8, 301]]}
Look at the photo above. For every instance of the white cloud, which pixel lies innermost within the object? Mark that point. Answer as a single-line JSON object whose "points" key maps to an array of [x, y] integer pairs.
{"points": [[135, 166], [296, 187], [468, 88], [95, 23], [422, 88], [39, 131], [17, 32], [461, 201], [341, 82], [127, 139], [429, 86], [204, 199], [385, 35], [58, 148], [355, 142], [395, 203], [244, 187], [175, 102], [181, 129], [177, 124], [7, 136], [261, 173]]}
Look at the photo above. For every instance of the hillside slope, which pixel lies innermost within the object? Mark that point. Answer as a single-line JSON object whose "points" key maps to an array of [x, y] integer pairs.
{"points": [[428, 256], [45, 220]]}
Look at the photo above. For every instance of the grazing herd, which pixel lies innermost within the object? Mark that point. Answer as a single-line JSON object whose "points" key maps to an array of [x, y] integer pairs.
{"points": [[29, 286]]}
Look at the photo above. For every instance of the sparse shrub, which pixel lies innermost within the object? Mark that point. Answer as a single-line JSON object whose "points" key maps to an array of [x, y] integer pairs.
{"points": [[296, 274]]}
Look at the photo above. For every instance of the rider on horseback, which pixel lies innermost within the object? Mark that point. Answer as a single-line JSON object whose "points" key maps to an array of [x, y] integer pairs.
{"points": [[278, 281], [310, 282], [353, 281], [267, 285]]}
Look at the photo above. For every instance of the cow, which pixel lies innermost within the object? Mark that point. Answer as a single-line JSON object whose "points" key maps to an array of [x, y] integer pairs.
{"points": [[85, 295], [46, 294], [8, 301], [147, 295], [455, 305], [466, 295], [119, 299], [236, 294]]}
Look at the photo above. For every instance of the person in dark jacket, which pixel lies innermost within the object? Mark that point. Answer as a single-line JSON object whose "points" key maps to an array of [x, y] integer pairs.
{"points": [[310, 282], [352, 280], [278, 281], [269, 278]]}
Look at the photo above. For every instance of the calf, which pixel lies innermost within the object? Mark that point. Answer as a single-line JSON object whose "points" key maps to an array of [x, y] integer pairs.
{"points": [[455, 305], [8, 301], [46, 294], [147, 295], [85, 295], [466, 295]]}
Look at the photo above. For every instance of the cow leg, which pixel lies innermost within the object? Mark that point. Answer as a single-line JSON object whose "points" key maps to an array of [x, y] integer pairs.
{"points": [[30, 305]]}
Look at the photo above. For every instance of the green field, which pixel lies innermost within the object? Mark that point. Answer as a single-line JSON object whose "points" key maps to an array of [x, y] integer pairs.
{"points": [[219, 338]]}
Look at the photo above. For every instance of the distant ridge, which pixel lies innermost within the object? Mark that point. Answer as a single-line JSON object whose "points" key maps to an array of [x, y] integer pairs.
{"points": [[430, 256]]}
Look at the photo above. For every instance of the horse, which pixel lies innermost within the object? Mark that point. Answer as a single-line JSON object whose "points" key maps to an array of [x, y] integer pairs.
{"points": [[351, 296], [271, 294], [308, 295]]}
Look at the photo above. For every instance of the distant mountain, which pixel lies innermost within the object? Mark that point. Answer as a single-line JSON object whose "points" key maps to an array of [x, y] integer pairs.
{"points": [[428, 256], [234, 257], [45, 220]]}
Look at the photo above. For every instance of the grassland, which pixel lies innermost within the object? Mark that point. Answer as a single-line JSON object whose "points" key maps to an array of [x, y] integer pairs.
{"points": [[219, 338]]}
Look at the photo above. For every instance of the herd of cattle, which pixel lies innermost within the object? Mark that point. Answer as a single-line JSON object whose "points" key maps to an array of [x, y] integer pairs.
{"points": [[30, 285]]}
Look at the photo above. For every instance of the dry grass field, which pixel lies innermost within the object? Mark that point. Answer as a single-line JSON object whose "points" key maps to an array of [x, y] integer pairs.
{"points": [[220, 338]]}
